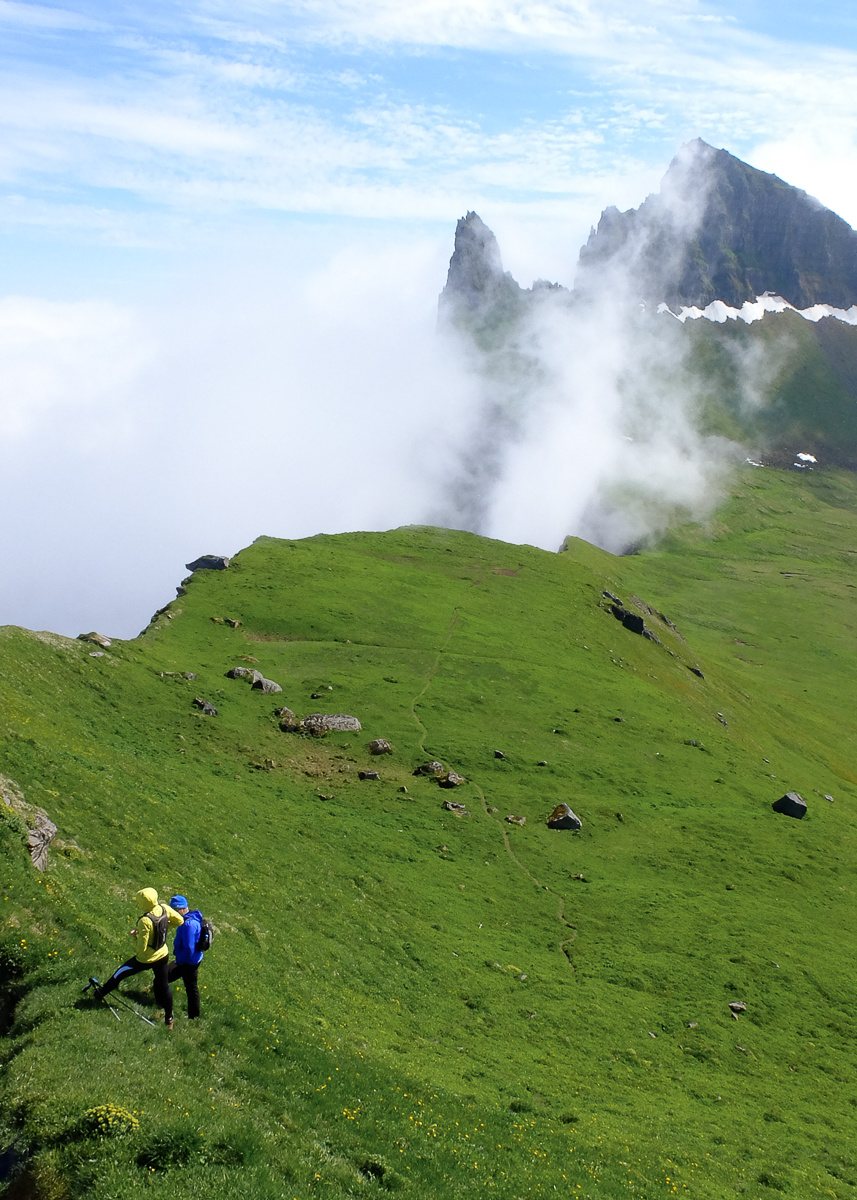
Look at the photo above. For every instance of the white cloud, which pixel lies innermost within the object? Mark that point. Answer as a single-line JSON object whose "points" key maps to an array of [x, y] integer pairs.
{"points": [[263, 397], [58, 358]]}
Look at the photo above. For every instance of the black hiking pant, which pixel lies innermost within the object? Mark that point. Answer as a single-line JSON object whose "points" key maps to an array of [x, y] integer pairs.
{"points": [[187, 973], [133, 966]]}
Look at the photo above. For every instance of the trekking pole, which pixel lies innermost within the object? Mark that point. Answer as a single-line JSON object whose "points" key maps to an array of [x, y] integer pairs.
{"points": [[134, 1011], [93, 983]]}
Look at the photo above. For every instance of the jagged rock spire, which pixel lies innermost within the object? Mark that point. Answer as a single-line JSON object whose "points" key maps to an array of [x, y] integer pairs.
{"points": [[476, 273]]}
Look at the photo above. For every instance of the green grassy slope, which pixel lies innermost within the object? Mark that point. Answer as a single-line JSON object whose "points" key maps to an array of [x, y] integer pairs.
{"points": [[399, 998], [780, 385]]}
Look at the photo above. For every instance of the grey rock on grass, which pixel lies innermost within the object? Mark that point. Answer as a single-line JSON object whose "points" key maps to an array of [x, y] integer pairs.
{"points": [[208, 562], [268, 686], [563, 818], [790, 805], [98, 638], [289, 721], [430, 768], [321, 723]]}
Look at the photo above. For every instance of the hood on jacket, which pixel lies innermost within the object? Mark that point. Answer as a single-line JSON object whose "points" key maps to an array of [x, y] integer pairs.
{"points": [[147, 899]]}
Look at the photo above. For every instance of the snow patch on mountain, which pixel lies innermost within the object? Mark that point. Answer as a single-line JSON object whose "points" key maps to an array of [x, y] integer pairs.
{"points": [[754, 310]]}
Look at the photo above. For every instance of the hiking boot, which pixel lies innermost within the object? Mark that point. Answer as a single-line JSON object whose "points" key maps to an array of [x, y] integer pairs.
{"points": [[169, 1022]]}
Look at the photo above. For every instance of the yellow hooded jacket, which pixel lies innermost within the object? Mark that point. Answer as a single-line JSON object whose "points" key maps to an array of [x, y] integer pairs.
{"points": [[147, 903]]}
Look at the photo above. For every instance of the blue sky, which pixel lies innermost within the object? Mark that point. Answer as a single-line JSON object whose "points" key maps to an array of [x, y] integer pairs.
{"points": [[156, 126], [223, 228]]}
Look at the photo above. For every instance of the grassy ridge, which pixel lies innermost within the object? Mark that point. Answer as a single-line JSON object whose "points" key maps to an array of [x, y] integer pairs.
{"points": [[403, 999]]}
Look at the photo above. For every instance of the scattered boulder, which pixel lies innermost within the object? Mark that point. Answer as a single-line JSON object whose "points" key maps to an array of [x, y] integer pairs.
{"points": [[722, 720], [41, 830], [542, 763], [208, 562], [451, 779], [207, 708], [188, 675], [696, 671], [610, 596], [289, 721], [830, 798], [563, 818], [404, 790], [431, 768], [266, 685], [368, 775], [516, 820], [790, 805], [238, 673], [499, 754], [458, 809], [233, 623], [737, 1006], [318, 724], [96, 654], [380, 746], [633, 622], [98, 638]]}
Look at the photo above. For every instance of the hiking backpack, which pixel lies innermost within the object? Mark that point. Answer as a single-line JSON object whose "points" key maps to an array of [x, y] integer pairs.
{"points": [[160, 929], [206, 934]]}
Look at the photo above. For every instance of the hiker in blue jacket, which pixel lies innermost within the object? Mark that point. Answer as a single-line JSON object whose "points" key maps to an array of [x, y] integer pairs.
{"points": [[187, 957]]}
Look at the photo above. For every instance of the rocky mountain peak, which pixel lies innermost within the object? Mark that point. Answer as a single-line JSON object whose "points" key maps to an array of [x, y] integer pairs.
{"points": [[476, 275], [719, 229]]}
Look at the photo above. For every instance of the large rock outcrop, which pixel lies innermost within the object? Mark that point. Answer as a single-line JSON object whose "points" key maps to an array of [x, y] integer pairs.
{"points": [[41, 830]]}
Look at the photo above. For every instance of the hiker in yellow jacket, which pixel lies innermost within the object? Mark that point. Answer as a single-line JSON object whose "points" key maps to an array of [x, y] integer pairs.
{"points": [[152, 953]]}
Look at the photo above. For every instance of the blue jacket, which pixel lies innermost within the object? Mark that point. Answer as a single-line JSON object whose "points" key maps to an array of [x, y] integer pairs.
{"points": [[187, 935]]}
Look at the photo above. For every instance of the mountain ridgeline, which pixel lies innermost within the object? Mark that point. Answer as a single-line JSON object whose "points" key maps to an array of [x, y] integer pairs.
{"points": [[718, 230]]}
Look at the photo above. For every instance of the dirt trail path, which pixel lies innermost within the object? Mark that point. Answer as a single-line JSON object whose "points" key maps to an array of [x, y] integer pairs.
{"points": [[564, 943]]}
